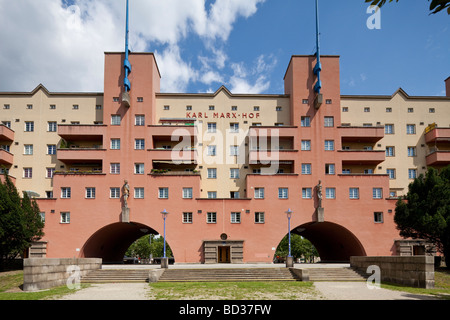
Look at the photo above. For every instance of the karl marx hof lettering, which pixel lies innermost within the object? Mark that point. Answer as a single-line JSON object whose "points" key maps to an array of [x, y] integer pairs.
{"points": [[222, 115]]}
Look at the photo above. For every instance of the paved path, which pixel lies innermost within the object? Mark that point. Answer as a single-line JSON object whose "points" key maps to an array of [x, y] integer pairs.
{"points": [[111, 291]]}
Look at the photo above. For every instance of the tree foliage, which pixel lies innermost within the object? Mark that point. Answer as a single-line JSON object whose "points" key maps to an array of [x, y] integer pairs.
{"points": [[424, 213], [20, 221], [143, 247], [300, 247], [435, 5]]}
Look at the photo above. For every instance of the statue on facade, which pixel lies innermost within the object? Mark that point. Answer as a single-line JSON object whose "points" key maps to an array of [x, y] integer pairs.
{"points": [[319, 193], [125, 193]]}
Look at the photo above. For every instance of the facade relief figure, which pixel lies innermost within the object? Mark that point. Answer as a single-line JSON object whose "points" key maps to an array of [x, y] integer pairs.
{"points": [[319, 193], [125, 193]]}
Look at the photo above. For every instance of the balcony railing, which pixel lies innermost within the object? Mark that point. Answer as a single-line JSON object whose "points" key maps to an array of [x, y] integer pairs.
{"points": [[81, 132], [361, 134], [267, 156], [366, 157], [435, 134], [6, 134], [438, 157], [6, 158]]}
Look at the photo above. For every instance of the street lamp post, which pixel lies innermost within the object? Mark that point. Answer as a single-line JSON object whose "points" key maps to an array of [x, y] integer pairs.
{"points": [[164, 260], [289, 259]]}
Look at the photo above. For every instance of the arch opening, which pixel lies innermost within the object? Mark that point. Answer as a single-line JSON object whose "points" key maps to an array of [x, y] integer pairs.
{"points": [[112, 241]]}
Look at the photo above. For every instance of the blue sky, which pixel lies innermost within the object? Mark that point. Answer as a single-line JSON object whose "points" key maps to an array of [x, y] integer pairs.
{"points": [[203, 44]]}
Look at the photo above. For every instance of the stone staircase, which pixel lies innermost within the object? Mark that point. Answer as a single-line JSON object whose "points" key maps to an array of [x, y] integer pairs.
{"points": [[336, 274], [227, 275], [115, 276]]}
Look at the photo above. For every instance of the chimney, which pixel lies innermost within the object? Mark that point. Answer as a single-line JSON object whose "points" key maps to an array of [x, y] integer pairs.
{"points": [[447, 86]]}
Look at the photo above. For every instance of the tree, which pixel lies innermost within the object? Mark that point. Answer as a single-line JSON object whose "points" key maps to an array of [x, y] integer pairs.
{"points": [[435, 5], [424, 213], [300, 247], [20, 221], [142, 248]]}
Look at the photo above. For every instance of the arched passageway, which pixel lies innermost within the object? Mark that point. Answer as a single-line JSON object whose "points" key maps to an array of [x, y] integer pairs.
{"points": [[111, 242], [333, 242]]}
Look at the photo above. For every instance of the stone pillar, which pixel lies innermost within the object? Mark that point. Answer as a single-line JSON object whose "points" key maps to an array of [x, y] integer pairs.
{"points": [[164, 263], [125, 216], [289, 262]]}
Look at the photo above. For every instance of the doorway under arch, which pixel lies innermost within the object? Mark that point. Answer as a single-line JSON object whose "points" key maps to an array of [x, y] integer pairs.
{"points": [[334, 242], [112, 241]]}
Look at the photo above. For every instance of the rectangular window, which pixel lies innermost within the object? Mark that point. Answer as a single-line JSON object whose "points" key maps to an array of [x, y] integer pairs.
{"points": [[90, 193], [114, 193], [212, 173], [28, 149], [330, 168], [329, 145], [163, 193], [235, 217], [211, 151], [234, 173], [259, 193], [115, 168], [390, 151], [139, 168], [234, 194], [412, 173], [329, 121], [29, 126], [139, 144], [65, 193], [306, 168], [412, 152], [49, 172], [211, 217], [391, 173], [377, 193], [212, 194], [354, 193], [139, 193], [306, 145], [139, 120], [28, 173], [115, 120], [305, 121], [65, 217], [187, 217], [115, 144], [410, 129], [259, 217], [52, 126], [306, 193], [389, 129], [234, 127], [212, 126], [283, 193], [378, 217], [234, 150], [330, 193], [187, 193], [51, 149]]}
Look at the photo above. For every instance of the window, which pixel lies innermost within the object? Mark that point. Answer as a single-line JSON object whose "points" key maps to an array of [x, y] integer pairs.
{"points": [[410, 129], [65, 217], [306, 145], [75, 107], [114, 193], [139, 144], [188, 108], [330, 193], [259, 193], [28, 173], [163, 193], [65, 193], [139, 193], [90, 193], [330, 168], [140, 99], [115, 144], [98, 107], [115, 168], [234, 127], [329, 145], [259, 217], [234, 194], [412, 173], [278, 109], [410, 110], [139, 168], [139, 120], [212, 126], [389, 129], [49, 172], [234, 173], [344, 109], [187, 217], [29, 106], [283, 193], [329, 121], [305, 101], [116, 99], [377, 193], [7, 124], [212, 194], [52, 126], [346, 171], [6, 106], [306, 168], [115, 120], [235, 217], [368, 171], [391, 173], [211, 217], [390, 151], [255, 108], [212, 173], [431, 110], [354, 193], [234, 108], [187, 193], [388, 110], [234, 150], [166, 108], [28, 149], [328, 101], [378, 217], [212, 108], [305, 121], [29, 126], [211, 151], [412, 152], [306, 193], [51, 149], [367, 109]]}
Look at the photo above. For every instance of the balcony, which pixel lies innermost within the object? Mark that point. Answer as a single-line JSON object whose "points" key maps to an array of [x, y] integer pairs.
{"points": [[438, 158], [267, 156], [169, 131], [361, 134], [6, 134], [81, 132], [434, 134], [6, 158], [362, 157], [281, 132], [173, 155], [81, 155]]}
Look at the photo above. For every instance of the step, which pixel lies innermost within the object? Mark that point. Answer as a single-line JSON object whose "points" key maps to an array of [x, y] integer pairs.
{"points": [[335, 274], [111, 275]]}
